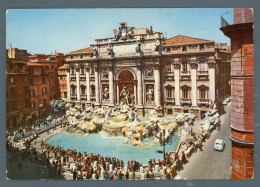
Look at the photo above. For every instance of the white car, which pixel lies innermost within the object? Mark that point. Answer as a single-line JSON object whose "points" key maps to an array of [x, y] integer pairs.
{"points": [[219, 145]]}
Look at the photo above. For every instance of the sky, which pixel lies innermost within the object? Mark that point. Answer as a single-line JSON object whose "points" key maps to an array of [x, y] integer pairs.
{"points": [[44, 31]]}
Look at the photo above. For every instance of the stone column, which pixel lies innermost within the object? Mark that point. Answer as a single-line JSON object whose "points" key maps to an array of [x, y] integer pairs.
{"points": [[135, 92], [111, 86], [68, 84], [139, 87], [157, 90], [77, 82], [177, 84], [212, 66], [194, 84], [117, 94], [88, 84], [97, 86]]}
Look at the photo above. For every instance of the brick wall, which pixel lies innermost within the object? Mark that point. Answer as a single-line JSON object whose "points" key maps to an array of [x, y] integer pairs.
{"points": [[243, 15], [242, 93]]}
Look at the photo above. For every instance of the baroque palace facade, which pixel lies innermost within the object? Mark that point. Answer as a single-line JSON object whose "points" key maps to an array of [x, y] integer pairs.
{"points": [[141, 67]]}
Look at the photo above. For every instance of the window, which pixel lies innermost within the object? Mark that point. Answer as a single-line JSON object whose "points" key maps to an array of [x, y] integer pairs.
{"points": [[82, 91], [43, 80], [185, 94], [201, 47], [202, 66], [44, 102], [43, 91], [11, 80], [184, 48], [202, 94], [42, 70], [92, 90], [32, 93], [52, 66], [71, 57], [169, 92], [25, 79], [65, 95], [26, 90], [12, 92], [184, 67], [81, 56], [169, 67], [82, 70], [31, 81], [168, 49], [32, 105], [73, 91], [27, 102], [13, 105], [31, 70]]}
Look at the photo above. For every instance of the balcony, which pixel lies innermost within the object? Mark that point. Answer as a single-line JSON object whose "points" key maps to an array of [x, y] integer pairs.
{"points": [[170, 100], [203, 75], [83, 97], [73, 96], [82, 77], [204, 102], [72, 77], [92, 97], [185, 75], [185, 101], [202, 72]]}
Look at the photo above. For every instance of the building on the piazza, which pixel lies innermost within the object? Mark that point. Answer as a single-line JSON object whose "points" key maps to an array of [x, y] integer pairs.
{"points": [[141, 67], [38, 90], [193, 69], [17, 88], [223, 70], [62, 75], [31, 82], [52, 62]]}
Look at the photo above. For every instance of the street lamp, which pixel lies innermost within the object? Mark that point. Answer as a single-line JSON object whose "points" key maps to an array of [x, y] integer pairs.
{"points": [[163, 142]]}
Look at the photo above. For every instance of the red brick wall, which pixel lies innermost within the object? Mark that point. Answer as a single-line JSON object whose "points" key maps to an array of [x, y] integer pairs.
{"points": [[242, 162], [243, 15], [242, 93]]}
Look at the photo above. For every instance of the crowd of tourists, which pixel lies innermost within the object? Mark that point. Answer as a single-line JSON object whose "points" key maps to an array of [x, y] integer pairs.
{"points": [[90, 166]]}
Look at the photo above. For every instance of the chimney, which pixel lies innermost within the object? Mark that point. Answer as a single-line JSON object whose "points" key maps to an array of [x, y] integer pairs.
{"points": [[151, 29]]}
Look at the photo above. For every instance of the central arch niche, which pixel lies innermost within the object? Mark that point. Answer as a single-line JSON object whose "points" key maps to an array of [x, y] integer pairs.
{"points": [[126, 78]]}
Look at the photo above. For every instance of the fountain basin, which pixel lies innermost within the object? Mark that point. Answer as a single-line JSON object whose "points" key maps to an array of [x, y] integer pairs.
{"points": [[111, 146]]}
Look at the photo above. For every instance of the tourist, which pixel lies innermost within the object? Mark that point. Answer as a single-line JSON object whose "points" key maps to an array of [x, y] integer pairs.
{"points": [[148, 176], [74, 174], [133, 175], [184, 158], [120, 175], [173, 171], [167, 175], [106, 175], [152, 175], [114, 177], [88, 175], [127, 175]]}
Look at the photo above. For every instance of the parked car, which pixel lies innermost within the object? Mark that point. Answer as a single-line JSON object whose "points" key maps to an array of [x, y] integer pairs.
{"points": [[49, 118], [224, 102], [62, 105], [219, 145]]}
